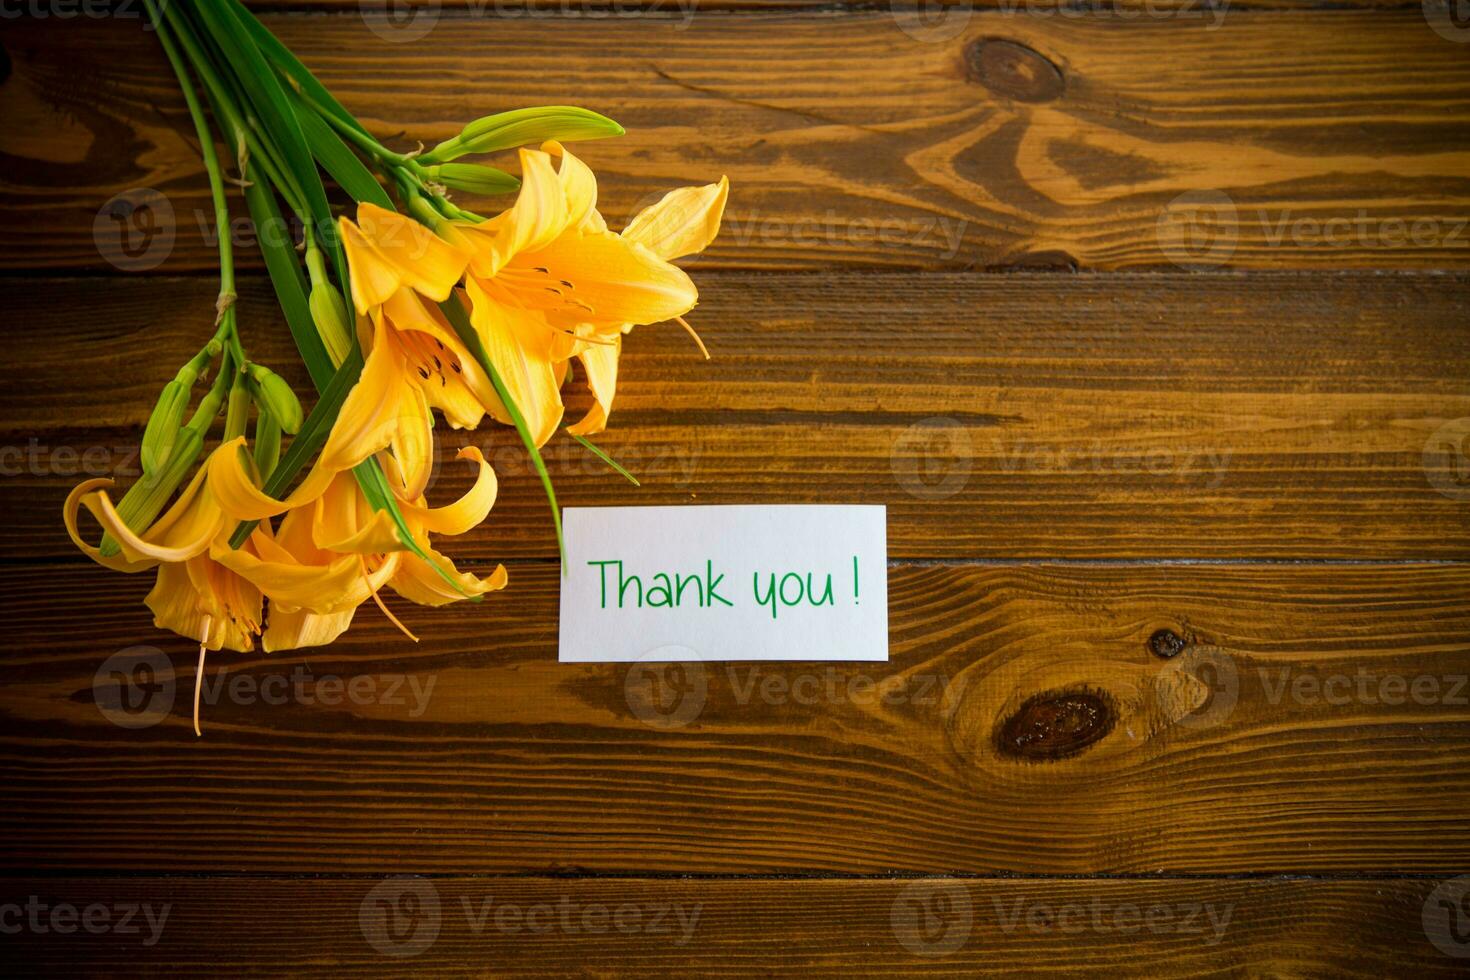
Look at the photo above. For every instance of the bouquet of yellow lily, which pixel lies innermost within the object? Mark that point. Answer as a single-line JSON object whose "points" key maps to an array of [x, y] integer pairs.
{"points": [[409, 305]]}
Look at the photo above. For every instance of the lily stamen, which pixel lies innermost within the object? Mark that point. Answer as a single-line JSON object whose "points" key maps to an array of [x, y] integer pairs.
{"points": [[368, 579], [685, 324], [199, 671]]}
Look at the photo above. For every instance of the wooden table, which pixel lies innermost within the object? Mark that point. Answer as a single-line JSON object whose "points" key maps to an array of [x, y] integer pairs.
{"points": [[1148, 325]]}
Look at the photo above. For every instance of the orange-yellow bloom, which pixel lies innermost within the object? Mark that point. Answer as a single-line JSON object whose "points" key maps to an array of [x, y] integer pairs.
{"points": [[546, 281]]}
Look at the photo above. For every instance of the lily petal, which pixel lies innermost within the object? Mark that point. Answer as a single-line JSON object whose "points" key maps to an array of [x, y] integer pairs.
{"points": [[516, 343], [683, 222], [417, 582], [468, 512], [387, 251], [601, 365]]}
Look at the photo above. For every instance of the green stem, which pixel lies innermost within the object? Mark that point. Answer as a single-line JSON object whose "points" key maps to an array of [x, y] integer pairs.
{"points": [[216, 178]]}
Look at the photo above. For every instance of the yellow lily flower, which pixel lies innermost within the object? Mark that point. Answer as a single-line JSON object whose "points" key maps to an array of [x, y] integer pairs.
{"points": [[334, 552], [547, 280], [387, 251], [193, 595]]}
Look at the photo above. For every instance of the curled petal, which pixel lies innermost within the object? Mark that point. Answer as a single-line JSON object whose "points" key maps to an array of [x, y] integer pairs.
{"points": [[417, 582], [683, 222], [465, 513], [601, 365], [241, 499], [189, 530], [80, 492]]}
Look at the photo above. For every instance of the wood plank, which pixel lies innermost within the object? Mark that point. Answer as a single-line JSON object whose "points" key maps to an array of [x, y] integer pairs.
{"points": [[1020, 416], [1314, 720], [1338, 139], [658, 927]]}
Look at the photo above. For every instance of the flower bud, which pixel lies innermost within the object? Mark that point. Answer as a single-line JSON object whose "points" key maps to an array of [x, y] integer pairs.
{"points": [[521, 126], [329, 314], [164, 424], [473, 178], [276, 397], [267, 443]]}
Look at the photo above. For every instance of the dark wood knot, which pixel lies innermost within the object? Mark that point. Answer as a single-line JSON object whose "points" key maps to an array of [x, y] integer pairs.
{"points": [[1056, 725], [1012, 70], [1166, 644]]}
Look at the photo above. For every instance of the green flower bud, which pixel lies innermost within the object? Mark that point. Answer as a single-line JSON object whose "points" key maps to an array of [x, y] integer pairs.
{"points": [[473, 178], [267, 443], [276, 397], [164, 424], [237, 411], [329, 314], [521, 126]]}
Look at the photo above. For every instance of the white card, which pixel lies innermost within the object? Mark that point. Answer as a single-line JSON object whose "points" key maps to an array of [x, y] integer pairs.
{"points": [[783, 582]]}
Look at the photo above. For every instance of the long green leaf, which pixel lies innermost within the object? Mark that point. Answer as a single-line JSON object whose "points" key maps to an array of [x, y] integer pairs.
{"points": [[263, 87], [287, 278], [339, 161], [594, 450], [460, 320], [282, 57]]}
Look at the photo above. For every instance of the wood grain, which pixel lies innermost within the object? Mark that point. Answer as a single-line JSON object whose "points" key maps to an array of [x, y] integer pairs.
{"points": [[998, 417], [1335, 139], [931, 926], [1313, 720]]}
